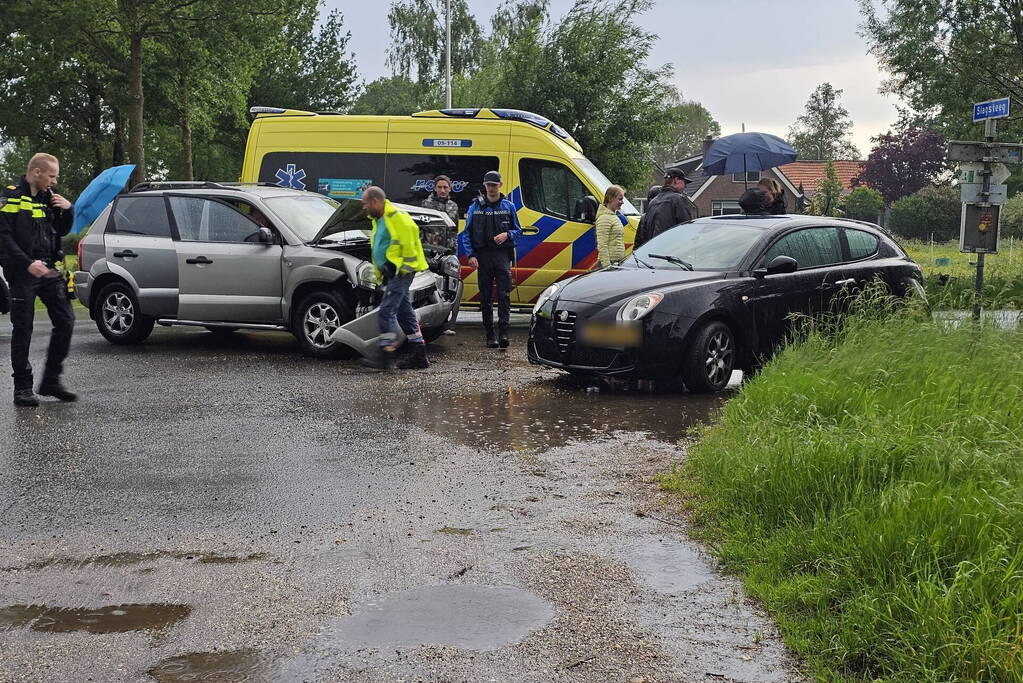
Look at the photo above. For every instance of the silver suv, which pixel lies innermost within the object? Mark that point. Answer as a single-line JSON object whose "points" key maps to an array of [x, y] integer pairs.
{"points": [[228, 257]]}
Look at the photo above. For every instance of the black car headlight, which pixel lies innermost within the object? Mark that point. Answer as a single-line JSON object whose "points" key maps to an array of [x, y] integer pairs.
{"points": [[544, 297], [639, 306]]}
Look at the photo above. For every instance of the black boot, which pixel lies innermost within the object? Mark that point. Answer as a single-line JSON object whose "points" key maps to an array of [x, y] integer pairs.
{"points": [[491, 339], [56, 389], [502, 338], [416, 359], [379, 359], [25, 397]]}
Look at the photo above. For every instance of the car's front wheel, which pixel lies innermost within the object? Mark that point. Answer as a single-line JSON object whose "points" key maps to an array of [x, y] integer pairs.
{"points": [[318, 316], [710, 358], [118, 316]]}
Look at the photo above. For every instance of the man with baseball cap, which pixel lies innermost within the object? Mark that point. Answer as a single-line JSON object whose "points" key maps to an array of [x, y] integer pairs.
{"points": [[491, 230], [668, 208]]}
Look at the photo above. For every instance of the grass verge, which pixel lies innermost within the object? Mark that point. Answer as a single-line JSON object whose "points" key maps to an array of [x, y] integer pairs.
{"points": [[949, 275], [869, 488]]}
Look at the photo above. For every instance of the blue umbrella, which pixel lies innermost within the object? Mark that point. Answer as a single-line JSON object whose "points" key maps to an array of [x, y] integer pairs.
{"points": [[744, 152], [100, 192]]}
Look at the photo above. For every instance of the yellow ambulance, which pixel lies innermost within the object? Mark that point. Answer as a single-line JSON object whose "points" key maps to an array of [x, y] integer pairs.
{"points": [[545, 174]]}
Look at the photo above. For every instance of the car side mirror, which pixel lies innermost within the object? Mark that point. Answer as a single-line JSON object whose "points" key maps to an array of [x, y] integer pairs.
{"points": [[777, 266], [266, 236]]}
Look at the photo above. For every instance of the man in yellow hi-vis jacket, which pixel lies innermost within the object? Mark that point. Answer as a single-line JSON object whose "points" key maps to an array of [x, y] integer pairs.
{"points": [[397, 253]]}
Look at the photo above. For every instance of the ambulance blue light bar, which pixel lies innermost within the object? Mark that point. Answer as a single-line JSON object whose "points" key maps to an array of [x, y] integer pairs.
{"points": [[468, 113], [530, 117]]}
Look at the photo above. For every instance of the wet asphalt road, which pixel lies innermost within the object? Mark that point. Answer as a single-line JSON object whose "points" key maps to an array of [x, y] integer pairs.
{"points": [[231, 510]]}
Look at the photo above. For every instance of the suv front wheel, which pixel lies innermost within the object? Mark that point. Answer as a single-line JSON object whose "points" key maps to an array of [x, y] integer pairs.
{"points": [[118, 316], [318, 316]]}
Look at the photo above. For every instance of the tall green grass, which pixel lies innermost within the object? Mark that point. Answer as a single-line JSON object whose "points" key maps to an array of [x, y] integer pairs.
{"points": [[950, 283], [868, 485]]}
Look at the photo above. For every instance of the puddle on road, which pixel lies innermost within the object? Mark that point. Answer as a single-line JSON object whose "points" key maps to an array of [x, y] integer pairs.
{"points": [[128, 559], [550, 415], [668, 566], [463, 616], [236, 665], [110, 619]]}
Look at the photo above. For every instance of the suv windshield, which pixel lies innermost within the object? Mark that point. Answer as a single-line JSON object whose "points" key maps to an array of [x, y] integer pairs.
{"points": [[706, 246], [594, 175], [304, 214]]}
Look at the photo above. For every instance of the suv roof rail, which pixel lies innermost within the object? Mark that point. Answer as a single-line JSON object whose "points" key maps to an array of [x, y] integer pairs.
{"points": [[182, 184]]}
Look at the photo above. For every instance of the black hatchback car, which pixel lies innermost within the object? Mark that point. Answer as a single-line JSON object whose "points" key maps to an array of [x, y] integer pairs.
{"points": [[710, 296]]}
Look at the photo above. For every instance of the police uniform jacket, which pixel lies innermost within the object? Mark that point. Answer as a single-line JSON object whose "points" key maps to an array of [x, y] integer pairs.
{"points": [[484, 221], [30, 229]]}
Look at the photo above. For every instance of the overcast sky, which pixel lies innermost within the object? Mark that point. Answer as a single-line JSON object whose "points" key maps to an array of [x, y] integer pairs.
{"points": [[747, 61]]}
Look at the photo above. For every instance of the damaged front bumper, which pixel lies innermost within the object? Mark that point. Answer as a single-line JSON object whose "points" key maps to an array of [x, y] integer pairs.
{"points": [[436, 300]]}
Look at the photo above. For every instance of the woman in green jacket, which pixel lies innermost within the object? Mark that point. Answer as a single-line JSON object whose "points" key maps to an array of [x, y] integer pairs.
{"points": [[610, 228]]}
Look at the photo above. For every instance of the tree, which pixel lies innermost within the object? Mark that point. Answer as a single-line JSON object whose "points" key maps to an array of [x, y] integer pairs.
{"points": [[943, 55], [305, 68], [418, 38], [933, 211], [863, 204], [692, 124], [823, 131], [394, 96], [826, 199], [1012, 217], [902, 163]]}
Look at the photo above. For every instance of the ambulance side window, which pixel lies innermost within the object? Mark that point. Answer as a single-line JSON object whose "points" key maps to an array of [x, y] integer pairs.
{"points": [[410, 177], [551, 188]]}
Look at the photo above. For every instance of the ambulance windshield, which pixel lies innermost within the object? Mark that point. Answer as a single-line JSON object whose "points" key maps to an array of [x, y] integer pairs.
{"points": [[594, 175]]}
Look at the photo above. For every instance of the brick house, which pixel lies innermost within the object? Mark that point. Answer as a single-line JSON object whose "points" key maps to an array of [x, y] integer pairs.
{"points": [[718, 195]]}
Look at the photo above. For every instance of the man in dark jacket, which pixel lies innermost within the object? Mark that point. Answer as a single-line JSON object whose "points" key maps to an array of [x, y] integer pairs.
{"points": [[666, 210], [33, 218], [491, 230]]}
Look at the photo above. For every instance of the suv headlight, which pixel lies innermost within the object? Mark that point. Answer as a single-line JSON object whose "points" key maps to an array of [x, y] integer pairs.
{"points": [[544, 297], [639, 306], [367, 276], [450, 266]]}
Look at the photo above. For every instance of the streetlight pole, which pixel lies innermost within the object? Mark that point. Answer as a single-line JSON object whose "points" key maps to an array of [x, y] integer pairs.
{"points": [[447, 67]]}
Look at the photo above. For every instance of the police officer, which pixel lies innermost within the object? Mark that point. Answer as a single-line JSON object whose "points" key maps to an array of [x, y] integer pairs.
{"points": [[33, 218], [491, 230]]}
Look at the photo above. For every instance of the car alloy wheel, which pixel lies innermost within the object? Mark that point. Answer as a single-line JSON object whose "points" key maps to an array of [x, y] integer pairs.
{"points": [[720, 358], [118, 312], [319, 324]]}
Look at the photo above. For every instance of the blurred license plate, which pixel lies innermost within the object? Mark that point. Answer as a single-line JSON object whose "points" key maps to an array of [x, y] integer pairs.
{"points": [[610, 334]]}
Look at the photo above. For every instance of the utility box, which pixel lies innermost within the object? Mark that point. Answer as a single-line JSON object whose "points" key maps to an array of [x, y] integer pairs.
{"points": [[978, 232]]}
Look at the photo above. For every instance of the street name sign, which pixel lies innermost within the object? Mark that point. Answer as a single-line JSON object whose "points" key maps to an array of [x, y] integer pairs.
{"points": [[992, 109]]}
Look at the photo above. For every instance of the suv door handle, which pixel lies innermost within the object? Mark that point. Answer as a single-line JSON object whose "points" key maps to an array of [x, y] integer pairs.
{"points": [[200, 260], [127, 253]]}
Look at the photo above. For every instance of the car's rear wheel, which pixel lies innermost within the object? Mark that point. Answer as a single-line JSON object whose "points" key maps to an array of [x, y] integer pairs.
{"points": [[318, 316], [118, 316], [710, 358]]}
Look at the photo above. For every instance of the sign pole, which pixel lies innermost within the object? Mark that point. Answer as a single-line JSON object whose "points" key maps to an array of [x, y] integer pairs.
{"points": [[990, 131]]}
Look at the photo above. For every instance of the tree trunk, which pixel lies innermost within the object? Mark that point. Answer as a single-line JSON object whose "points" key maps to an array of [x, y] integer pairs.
{"points": [[186, 128], [96, 131], [117, 153], [136, 145]]}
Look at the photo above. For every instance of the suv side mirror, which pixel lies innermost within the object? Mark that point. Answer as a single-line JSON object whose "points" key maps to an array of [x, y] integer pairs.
{"points": [[266, 236], [778, 265]]}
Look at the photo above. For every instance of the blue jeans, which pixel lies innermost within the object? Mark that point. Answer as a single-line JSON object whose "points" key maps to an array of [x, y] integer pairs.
{"points": [[396, 309]]}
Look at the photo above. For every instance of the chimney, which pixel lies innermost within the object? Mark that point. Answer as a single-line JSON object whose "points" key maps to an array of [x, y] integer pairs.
{"points": [[707, 142]]}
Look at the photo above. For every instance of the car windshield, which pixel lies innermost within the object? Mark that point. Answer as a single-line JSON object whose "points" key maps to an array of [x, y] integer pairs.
{"points": [[713, 245], [305, 214], [594, 175]]}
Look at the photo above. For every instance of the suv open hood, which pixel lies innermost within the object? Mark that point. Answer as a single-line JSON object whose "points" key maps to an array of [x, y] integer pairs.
{"points": [[347, 216]]}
